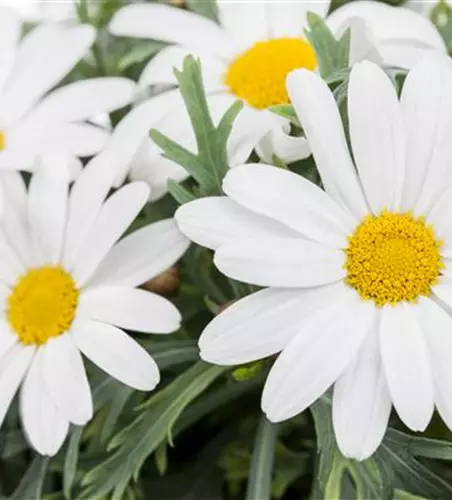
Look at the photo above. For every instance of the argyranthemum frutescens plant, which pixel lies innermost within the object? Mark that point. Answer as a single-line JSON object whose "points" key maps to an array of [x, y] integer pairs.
{"points": [[201, 432]]}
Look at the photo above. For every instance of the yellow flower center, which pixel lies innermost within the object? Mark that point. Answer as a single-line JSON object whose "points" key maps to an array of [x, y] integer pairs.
{"points": [[42, 304], [258, 75], [393, 257], [2, 141]]}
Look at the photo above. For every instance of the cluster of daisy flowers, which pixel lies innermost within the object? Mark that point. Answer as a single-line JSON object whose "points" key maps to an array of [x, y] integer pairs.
{"points": [[356, 272]]}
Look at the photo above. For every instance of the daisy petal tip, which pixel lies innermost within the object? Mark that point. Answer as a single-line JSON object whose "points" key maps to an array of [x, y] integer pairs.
{"points": [[88, 31], [297, 76]]}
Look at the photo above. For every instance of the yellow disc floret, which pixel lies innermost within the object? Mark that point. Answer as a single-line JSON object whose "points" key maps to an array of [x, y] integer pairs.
{"points": [[258, 75], [2, 141], [42, 304], [393, 257]]}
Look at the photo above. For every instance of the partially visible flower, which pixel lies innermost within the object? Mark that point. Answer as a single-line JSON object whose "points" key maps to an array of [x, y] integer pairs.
{"points": [[68, 286], [392, 36], [44, 11], [248, 56], [34, 118], [359, 276], [425, 7]]}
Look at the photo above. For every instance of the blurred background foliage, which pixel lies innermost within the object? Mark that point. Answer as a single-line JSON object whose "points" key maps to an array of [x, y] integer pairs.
{"points": [[201, 435]]}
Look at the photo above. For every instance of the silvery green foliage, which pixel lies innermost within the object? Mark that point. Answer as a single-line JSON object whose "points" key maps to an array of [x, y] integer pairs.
{"points": [[201, 434]]}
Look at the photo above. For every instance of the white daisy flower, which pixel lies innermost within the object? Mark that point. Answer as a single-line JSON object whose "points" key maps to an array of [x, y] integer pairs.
{"points": [[391, 36], [359, 276], [248, 56], [34, 118], [68, 286]]}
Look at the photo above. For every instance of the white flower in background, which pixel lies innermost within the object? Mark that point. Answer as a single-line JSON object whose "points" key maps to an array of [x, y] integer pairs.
{"points": [[34, 118], [425, 7], [67, 284], [359, 275], [248, 56], [392, 36], [44, 10]]}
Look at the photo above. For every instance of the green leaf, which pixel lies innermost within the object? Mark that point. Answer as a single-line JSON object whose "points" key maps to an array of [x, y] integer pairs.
{"points": [[403, 495], [13, 443], [441, 17], [161, 458], [206, 8], [71, 461], [261, 472], [115, 409], [179, 192], [287, 111], [210, 164], [177, 153], [151, 428], [333, 487], [430, 448], [30, 487], [332, 55], [141, 52], [169, 353]]}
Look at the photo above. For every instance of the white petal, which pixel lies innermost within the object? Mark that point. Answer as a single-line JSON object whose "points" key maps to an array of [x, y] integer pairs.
{"points": [[245, 22], [14, 220], [14, 365], [281, 262], [361, 403], [363, 42], [216, 220], [10, 28], [45, 427], [327, 343], [47, 203], [437, 325], [406, 365], [390, 26], [377, 136], [439, 218], [116, 215], [262, 324], [44, 57], [79, 139], [287, 19], [279, 142], [85, 203], [129, 308], [82, 100], [11, 266], [290, 199], [82, 139], [65, 379], [443, 290], [117, 354], [160, 69], [427, 108], [169, 24], [142, 255], [7, 337], [132, 130], [149, 166], [13, 158], [320, 119], [249, 129]]}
